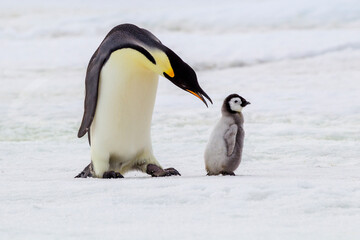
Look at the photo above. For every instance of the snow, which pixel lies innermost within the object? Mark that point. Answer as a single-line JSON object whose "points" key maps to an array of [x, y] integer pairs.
{"points": [[298, 65]]}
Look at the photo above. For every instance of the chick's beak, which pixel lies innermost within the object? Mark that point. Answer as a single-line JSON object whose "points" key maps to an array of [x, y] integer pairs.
{"points": [[245, 104]]}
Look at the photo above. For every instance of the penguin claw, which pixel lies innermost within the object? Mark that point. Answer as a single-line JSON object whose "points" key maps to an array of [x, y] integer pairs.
{"points": [[112, 174], [156, 171], [225, 173], [172, 171]]}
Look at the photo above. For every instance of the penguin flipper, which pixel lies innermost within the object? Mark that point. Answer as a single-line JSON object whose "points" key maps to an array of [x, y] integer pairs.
{"points": [[230, 138]]}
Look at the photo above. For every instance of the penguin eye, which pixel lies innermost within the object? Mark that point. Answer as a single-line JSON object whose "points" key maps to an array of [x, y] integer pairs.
{"points": [[236, 101]]}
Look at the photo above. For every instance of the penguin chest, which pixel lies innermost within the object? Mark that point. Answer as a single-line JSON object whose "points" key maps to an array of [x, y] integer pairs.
{"points": [[216, 150], [216, 144], [126, 97]]}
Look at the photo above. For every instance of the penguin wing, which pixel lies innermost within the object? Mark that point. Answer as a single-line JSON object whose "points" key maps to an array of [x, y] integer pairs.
{"points": [[91, 92], [122, 36], [230, 138]]}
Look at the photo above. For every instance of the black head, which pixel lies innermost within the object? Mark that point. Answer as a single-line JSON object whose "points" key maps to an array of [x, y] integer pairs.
{"points": [[184, 76], [234, 103]]}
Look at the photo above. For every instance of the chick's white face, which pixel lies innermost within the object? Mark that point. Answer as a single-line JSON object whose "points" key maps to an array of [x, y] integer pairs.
{"points": [[235, 104]]}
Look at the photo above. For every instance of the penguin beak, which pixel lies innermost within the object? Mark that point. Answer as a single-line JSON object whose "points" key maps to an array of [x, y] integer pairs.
{"points": [[245, 103], [198, 95], [183, 76], [191, 86]]}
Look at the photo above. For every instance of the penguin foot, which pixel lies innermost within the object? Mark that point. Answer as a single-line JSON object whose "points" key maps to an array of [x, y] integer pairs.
{"points": [[156, 171], [172, 171], [225, 173], [87, 172], [112, 174]]}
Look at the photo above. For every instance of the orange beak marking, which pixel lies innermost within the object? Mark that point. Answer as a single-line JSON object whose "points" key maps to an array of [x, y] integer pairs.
{"points": [[195, 94]]}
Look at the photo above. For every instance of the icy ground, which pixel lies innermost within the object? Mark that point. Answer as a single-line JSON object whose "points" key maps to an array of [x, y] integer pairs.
{"points": [[297, 62]]}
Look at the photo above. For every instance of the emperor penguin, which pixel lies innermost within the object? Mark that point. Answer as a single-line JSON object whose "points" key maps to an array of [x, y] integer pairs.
{"points": [[224, 149], [121, 83]]}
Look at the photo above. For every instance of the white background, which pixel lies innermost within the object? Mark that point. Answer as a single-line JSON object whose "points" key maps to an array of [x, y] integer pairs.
{"points": [[297, 62]]}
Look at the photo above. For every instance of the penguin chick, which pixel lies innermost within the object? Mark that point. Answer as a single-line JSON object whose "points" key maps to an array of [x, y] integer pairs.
{"points": [[224, 148]]}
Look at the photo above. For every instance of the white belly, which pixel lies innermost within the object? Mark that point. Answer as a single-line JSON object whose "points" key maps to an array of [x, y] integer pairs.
{"points": [[216, 152], [120, 130]]}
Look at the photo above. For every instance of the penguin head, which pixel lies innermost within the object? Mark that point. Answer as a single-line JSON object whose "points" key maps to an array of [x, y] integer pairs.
{"points": [[160, 59], [173, 68], [234, 103]]}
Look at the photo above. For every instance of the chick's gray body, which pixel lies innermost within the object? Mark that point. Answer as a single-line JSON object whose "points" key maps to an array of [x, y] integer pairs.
{"points": [[224, 149]]}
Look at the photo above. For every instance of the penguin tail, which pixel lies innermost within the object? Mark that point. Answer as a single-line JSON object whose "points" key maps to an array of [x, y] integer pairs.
{"points": [[87, 172]]}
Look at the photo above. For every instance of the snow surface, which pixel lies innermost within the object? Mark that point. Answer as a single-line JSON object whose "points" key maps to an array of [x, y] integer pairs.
{"points": [[297, 62]]}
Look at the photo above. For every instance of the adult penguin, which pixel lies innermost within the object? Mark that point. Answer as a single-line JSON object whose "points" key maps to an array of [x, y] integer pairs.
{"points": [[121, 83]]}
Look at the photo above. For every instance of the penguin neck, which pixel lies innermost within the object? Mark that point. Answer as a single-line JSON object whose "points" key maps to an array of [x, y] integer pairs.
{"points": [[126, 78], [237, 116]]}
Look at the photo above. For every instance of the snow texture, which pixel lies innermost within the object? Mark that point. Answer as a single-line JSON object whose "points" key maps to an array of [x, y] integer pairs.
{"points": [[297, 62]]}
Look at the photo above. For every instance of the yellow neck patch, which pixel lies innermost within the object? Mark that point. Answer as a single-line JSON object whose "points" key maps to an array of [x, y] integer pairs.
{"points": [[162, 63], [170, 72]]}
